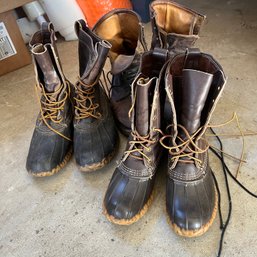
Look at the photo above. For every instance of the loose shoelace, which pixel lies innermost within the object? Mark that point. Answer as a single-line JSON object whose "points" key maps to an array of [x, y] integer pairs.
{"points": [[50, 106], [85, 106], [107, 80], [138, 145], [187, 148], [226, 172]]}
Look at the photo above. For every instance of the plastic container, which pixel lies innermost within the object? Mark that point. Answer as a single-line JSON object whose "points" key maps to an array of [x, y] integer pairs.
{"points": [[27, 28], [94, 10], [33, 10], [63, 14]]}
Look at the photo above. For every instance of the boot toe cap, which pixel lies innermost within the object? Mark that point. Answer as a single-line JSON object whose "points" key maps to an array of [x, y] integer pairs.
{"points": [[46, 153], [127, 199], [92, 147], [191, 207]]}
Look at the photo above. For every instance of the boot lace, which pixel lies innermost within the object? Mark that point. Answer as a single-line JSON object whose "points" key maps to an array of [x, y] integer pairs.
{"points": [[220, 154], [85, 106], [50, 107], [129, 75], [138, 145], [186, 148]]}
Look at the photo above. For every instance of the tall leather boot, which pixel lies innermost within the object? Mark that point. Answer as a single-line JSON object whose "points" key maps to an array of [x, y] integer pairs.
{"points": [[123, 29], [95, 134], [129, 193], [50, 147], [194, 84], [175, 27]]}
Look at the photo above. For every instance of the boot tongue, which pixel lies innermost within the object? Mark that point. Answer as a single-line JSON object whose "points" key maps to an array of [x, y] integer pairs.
{"points": [[141, 120], [195, 88], [142, 108], [51, 79]]}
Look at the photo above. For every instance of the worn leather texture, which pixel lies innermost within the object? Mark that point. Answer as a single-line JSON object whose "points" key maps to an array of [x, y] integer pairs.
{"points": [[120, 95], [47, 148], [175, 27], [124, 59], [95, 134]]}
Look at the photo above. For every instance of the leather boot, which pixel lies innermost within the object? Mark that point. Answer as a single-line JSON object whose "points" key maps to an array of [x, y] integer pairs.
{"points": [[174, 26], [129, 193], [50, 147], [124, 59], [95, 135], [194, 84]]}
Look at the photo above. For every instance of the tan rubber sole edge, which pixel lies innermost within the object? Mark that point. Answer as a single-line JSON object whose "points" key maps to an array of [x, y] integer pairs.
{"points": [[101, 164], [54, 170], [199, 232], [126, 222]]}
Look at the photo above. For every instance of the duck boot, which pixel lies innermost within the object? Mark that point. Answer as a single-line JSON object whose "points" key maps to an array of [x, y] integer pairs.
{"points": [[174, 27], [129, 193], [124, 59], [193, 86], [95, 135], [51, 146]]}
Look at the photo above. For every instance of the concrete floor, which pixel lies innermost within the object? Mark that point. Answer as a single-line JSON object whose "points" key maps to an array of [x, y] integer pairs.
{"points": [[61, 215]]}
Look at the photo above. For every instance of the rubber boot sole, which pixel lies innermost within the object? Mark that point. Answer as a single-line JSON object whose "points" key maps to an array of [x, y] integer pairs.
{"points": [[133, 219], [96, 166], [54, 170], [195, 233]]}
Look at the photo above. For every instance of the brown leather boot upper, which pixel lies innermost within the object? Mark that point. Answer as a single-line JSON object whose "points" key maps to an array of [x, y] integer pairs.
{"points": [[129, 193], [95, 134], [194, 85], [50, 146], [113, 27], [175, 27]]}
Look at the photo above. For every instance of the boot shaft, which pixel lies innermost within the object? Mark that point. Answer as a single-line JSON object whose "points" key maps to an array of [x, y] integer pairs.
{"points": [[113, 27], [195, 87], [53, 88], [148, 91], [92, 51], [47, 66], [210, 72], [174, 26], [89, 97], [187, 74]]}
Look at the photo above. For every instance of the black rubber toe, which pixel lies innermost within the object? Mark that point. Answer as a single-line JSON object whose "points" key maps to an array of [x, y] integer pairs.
{"points": [[126, 196], [190, 205]]}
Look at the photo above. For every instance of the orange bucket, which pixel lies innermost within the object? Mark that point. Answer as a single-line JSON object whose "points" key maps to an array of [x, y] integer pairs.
{"points": [[94, 10]]}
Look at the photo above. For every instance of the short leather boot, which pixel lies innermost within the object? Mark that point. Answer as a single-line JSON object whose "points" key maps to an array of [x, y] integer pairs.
{"points": [[194, 84], [129, 193], [175, 27], [95, 134], [50, 147], [123, 29]]}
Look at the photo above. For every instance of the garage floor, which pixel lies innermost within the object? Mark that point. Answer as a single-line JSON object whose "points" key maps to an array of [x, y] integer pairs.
{"points": [[61, 216]]}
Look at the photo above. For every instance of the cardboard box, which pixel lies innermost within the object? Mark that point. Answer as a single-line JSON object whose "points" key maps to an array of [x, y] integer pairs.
{"points": [[13, 52], [7, 5]]}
